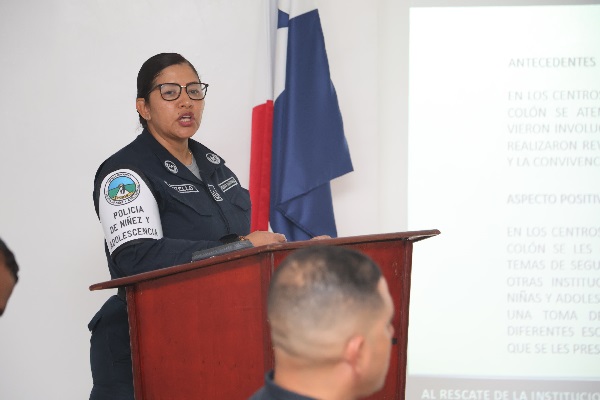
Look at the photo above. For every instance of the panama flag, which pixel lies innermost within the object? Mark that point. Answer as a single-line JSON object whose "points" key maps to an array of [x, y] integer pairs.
{"points": [[296, 156]]}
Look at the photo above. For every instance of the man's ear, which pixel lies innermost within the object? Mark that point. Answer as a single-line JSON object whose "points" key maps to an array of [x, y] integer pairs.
{"points": [[354, 352], [142, 109]]}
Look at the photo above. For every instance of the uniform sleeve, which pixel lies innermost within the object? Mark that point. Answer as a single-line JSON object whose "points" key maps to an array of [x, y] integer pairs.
{"points": [[130, 218], [149, 255]]}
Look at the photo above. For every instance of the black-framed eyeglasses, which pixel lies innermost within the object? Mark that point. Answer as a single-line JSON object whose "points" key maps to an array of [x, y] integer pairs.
{"points": [[172, 91]]}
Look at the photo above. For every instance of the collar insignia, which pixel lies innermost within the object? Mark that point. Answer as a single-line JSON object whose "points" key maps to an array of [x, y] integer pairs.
{"points": [[213, 158], [171, 166]]}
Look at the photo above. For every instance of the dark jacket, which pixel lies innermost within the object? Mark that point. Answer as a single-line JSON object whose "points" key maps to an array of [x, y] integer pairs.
{"points": [[193, 214]]}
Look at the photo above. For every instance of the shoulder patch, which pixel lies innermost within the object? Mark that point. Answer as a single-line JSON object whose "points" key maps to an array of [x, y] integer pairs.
{"points": [[121, 187], [128, 209], [213, 158]]}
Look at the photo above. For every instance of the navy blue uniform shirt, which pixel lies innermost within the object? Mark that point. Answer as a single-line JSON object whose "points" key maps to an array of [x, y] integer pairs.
{"points": [[155, 213], [193, 214]]}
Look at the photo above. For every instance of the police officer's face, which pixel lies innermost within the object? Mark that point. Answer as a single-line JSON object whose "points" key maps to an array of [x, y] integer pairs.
{"points": [[178, 119]]}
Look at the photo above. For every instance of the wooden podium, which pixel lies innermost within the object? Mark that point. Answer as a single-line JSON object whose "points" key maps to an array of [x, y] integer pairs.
{"points": [[200, 331]]}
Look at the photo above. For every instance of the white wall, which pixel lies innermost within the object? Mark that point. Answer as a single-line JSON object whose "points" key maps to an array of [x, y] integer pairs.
{"points": [[67, 78]]}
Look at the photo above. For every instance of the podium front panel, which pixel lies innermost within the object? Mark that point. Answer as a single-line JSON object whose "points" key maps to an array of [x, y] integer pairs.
{"points": [[199, 334]]}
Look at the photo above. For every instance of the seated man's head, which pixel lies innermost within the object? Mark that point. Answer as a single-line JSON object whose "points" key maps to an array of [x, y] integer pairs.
{"points": [[8, 275], [330, 307]]}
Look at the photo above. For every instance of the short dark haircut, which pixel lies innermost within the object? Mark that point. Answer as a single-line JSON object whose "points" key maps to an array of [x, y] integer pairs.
{"points": [[151, 69], [9, 260], [315, 285]]}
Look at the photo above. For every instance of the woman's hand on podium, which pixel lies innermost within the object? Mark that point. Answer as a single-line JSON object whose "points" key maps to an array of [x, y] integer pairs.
{"points": [[261, 238], [320, 237]]}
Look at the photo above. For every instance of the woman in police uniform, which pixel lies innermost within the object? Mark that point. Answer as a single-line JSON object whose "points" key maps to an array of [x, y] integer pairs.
{"points": [[160, 199]]}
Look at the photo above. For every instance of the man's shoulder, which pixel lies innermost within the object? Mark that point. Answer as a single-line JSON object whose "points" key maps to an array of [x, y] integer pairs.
{"points": [[271, 391], [261, 394]]}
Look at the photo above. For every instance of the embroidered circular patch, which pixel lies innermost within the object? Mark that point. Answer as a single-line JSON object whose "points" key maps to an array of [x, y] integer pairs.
{"points": [[121, 188]]}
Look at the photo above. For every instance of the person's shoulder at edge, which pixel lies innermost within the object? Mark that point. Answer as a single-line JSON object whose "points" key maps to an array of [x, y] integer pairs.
{"points": [[272, 391]]}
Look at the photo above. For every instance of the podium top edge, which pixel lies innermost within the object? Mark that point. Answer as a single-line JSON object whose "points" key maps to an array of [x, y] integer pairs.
{"points": [[411, 236]]}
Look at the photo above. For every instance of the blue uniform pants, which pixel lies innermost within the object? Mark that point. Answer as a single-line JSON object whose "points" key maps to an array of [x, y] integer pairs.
{"points": [[110, 352]]}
